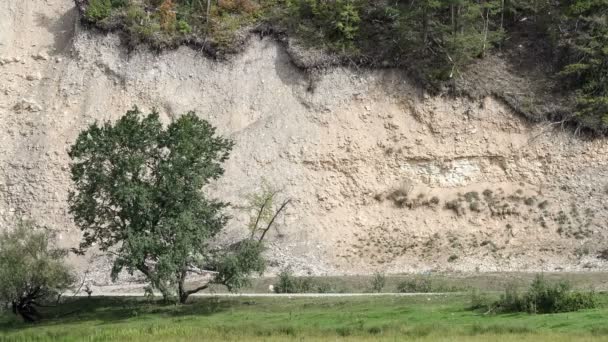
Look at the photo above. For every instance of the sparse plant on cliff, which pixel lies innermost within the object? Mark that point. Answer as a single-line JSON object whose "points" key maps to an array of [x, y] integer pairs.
{"points": [[98, 10], [138, 196], [32, 271], [167, 16]]}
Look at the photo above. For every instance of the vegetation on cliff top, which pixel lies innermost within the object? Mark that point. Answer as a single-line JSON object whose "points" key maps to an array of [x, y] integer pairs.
{"points": [[436, 39]]}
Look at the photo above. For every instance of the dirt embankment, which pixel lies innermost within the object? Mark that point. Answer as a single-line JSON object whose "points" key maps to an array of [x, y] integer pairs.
{"points": [[383, 177]]}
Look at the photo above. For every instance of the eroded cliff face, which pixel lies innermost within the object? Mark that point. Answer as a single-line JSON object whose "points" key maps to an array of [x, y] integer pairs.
{"points": [[382, 176]]}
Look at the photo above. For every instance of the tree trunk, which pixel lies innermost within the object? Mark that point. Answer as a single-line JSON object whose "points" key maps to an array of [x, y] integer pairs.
{"points": [[502, 15], [181, 288], [453, 17], [425, 26], [486, 27], [164, 290], [183, 297], [25, 308]]}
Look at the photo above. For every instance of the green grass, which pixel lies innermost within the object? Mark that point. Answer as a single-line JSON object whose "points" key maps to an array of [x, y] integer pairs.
{"points": [[427, 318]]}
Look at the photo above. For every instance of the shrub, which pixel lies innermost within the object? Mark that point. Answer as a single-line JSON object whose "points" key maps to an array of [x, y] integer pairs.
{"points": [[287, 283], [423, 284], [378, 282], [471, 196], [416, 285], [399, 196], [167, 16], [135, 15], [455, 206], [346, 21], [544, 297], [479, 301], [183, 27], [32, 272], [245, 6], [119, 3], [98, 10]]}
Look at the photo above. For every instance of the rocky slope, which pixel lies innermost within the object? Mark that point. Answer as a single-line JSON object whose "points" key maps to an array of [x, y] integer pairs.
{"points": [[383, 177]]}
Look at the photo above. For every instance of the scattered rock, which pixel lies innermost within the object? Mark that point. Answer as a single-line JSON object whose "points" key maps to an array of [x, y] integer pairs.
{"points": [[41, 56], [27, 105], [33, 77], [8, 60]]}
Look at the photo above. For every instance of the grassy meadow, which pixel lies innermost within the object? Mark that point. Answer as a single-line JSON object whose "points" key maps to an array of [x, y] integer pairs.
{"points": [[384, 318]]}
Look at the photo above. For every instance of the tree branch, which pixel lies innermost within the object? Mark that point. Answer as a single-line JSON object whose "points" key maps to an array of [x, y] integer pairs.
{"points": [[257, 220], [273, 218], [198, 289]]}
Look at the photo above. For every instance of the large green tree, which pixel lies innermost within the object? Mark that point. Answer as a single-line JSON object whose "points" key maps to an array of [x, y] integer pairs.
{"points": [[32, 270], [138, 196]]}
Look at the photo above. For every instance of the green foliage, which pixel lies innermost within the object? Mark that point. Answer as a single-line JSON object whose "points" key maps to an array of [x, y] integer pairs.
{"points": [[336, 22], [235, 267], [32, 272], [183, 27], [425, 284], [347, 21], [586, 68], [543, 297], [479, 301], [137, 195], [288, 283], [378, 282], [119, 3], [261, 207], [98, 10], [416, 285], [264, 208]]}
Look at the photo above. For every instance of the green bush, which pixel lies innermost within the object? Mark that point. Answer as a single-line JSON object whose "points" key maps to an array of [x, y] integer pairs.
{"points": [[479, 301], [544, 297], [32, 272], [378, 282], [323, 287], [183, 27], [119, 3], [98, 10], [135, 15], [416, 285], [287, 283], [424, 284], [337, 21]]}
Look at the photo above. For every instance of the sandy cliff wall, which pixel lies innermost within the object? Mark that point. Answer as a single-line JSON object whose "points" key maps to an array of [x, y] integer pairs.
{"points": [[383, 177]]}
